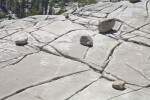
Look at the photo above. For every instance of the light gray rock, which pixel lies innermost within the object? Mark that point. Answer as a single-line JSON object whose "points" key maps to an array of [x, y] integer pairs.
{"points": [[101, 49], [61, 27], [47, 91], [106, 25], [98, 14], [43, 36], [47, 67], [66, 15], [99, 90], [142, 94], [21, 40], [54, 65], [86, 40], [127, 63], [119, 85], [83, 21]]}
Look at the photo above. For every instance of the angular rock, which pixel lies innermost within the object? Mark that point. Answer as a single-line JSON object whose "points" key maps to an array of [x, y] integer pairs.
{"points": [[119, 85], [86, 41], [21, 40], [106, 25]]}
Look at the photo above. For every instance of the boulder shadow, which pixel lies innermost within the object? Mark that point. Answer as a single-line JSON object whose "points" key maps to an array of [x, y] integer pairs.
{"points": [[120, 89], [90, 46], [21, 44], [109, 32], [136, 1]]}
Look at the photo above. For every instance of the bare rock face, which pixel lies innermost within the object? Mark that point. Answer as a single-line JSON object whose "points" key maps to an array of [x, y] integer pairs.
{"points": [[21, 40], [119, 85], [55, 60], [86, 41], [106, 25]]}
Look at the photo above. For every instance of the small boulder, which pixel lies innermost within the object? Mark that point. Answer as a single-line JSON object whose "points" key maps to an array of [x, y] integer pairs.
{"points": [[66, 16], [86, 41], [21, 40], [106, 25], [119, 85]]}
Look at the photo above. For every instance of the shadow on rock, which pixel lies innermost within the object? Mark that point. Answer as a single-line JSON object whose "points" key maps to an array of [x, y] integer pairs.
{"points": [[109, 32], [22, 44]]}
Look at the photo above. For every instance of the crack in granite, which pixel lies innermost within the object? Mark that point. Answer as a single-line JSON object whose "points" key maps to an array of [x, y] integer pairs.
{"points": [[78, 60], [86, 86], [41, 83], [137, 71], [109, 57], [125, 93]]}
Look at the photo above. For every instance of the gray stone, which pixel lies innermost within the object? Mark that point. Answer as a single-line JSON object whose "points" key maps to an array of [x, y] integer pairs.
{"points": [[119, 85], [66, 15], [86, 40], [106, 25], [21, 40]]}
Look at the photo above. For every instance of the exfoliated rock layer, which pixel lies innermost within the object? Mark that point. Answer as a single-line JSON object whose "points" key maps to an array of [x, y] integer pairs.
{"points": [[50, 62]]}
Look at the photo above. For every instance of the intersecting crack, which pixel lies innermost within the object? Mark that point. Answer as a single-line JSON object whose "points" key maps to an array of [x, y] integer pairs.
{"points": [[19, 60], [106, 62], [91, 65], [59, 37], [137, 71], [6, 24], [123, 10], [41, 83], [86, 86], [9, 34], [126, 93], [78, 60], [118, 78], [114, 10]]}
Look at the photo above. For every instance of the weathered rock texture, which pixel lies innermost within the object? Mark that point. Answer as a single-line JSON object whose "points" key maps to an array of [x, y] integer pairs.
{"points": [[119, 85], [106, 25], [55, 66], [86, 41]]}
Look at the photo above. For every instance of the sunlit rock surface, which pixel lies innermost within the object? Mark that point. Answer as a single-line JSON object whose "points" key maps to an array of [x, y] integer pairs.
{"points": [[53, 65]]}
